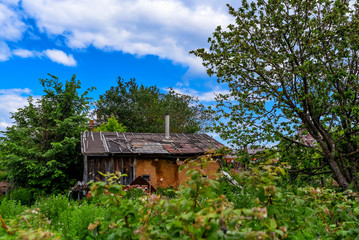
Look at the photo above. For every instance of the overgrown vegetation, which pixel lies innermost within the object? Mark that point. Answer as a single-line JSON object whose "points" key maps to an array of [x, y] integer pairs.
{"points": [[112, 125], [142, 108], [257, 207], [291, 65], [41, 151], [3, 175]]}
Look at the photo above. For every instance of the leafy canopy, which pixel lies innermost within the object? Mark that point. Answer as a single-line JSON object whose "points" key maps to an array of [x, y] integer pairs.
{"points": [[142, 108], [42, 149], [112, 125], [291, 64]]}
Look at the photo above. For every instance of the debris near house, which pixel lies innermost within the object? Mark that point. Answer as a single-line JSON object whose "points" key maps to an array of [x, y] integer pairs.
{"points": [[79, 191], [230, 179], [82, 190], [4, 187]]}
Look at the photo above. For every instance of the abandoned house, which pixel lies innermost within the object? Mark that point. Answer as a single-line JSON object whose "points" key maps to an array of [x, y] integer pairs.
{"points": [[153, 156]]}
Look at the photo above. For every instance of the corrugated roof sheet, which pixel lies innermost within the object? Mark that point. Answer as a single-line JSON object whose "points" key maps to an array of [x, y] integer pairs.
{"points": [[252, 151], [103, 143]]}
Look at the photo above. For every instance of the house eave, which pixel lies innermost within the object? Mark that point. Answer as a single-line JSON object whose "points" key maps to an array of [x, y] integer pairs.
{"points": [[149, 155]]}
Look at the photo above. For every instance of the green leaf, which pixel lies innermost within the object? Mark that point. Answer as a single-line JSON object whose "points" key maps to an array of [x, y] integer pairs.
{"points": [[272, 223]]}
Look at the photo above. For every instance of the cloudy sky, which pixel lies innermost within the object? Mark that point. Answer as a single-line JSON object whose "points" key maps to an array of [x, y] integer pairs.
{"points": [[100, 40]]}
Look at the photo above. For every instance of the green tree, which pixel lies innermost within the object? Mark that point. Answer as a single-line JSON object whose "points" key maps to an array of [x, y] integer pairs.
{"points": [[112, 125], [42, 149], [291, 64], [142, 109]]}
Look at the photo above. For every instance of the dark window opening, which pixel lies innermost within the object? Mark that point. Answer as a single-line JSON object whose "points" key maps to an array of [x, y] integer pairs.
{"points": [[146, 177]]}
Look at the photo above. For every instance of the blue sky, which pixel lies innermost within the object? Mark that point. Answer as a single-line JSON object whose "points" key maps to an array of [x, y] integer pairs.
{"points": [[100, 40]]}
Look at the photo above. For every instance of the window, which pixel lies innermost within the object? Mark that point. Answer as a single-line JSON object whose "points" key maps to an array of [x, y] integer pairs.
{"points": [[146, 177]]}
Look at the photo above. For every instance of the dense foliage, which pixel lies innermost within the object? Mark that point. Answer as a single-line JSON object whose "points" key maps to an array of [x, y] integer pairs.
{"points": [[142, 108], [256, 206], [112, 125], [42, 149], [291, 65]]}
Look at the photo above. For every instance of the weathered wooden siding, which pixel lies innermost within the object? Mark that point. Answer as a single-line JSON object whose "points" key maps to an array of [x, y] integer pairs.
{"points": [[110, 165], [162, 172]]}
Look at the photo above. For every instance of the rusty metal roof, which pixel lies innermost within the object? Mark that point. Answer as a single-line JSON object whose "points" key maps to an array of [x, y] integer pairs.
{"points": [[104, 143]]}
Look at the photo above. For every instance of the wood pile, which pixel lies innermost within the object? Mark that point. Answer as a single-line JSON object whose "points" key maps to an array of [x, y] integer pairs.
{"points": [[4, 187], [145, 188], [79, 191], [140, 182]]}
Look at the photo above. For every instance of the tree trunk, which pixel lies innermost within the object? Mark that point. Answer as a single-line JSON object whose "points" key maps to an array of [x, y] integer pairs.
{"points": [[338, 175], [329, 149]]}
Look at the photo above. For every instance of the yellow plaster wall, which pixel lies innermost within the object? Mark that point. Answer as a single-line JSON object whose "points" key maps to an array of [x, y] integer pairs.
{"points": [[165, 173], [210, 171]]}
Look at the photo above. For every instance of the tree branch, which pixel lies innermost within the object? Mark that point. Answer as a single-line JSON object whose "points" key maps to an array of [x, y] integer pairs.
{"points": [[295, 141]]}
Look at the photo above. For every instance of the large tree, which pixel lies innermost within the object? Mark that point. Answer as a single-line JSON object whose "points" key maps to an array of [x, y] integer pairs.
{"points": [[142, 109], [42, 149], [290, 65]]}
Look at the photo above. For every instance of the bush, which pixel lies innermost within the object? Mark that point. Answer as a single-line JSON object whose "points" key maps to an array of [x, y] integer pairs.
{"points": [[239, 196], [52, 208], [134, 193], [257, 207], [23, 195], [10, 208], [75, 220], [169, 192], [3, 176]]}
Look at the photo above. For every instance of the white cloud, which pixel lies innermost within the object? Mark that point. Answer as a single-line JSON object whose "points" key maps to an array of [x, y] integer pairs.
{"points": [[168, 29], [23, 53], [5, 52], [11, 25], [15, 91], [59, 56], [165, 28], [202, 96], [54, 55], [10, 101], [4, 125]]}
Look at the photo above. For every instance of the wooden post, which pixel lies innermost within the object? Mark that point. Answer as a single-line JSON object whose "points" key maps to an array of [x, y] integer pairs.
{"points": [[85, 175], [134, 169]]}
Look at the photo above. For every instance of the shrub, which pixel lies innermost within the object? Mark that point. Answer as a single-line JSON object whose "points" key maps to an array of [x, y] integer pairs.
{"points": [[254, 206], [23, 195], [3, 176], [52, 208], [169, 192], [75, 220], [239, 196], [10, 208], [134, 193]]}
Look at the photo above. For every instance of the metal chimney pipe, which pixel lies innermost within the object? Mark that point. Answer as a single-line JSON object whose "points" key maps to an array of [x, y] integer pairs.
{"points": [[167, 126]]}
